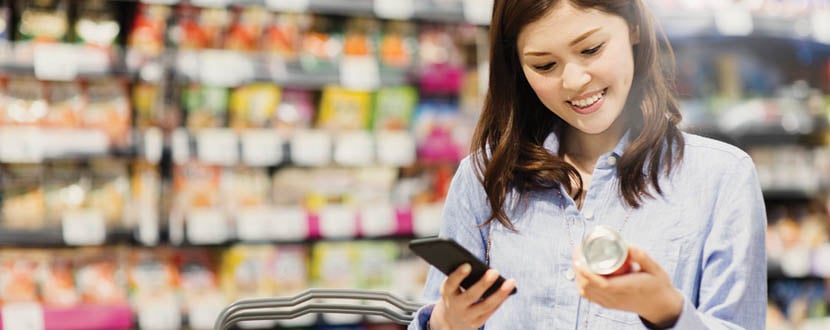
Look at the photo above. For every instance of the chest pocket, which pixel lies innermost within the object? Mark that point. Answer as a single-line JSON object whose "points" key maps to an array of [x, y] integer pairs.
{"points": [[666, 252]]}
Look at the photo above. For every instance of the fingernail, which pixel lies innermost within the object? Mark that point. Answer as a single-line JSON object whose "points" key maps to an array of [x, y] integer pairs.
{"points": [[466, 268]]}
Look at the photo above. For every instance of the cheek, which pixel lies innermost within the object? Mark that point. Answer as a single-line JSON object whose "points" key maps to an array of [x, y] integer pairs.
{"points": [[544, 87]]}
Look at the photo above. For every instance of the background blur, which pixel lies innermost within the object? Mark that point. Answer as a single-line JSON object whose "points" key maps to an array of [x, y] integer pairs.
{"points": [[160, 159]]}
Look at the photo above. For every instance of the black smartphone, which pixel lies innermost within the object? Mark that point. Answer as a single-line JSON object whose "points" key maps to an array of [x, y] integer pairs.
{"points": [[447, 255]]}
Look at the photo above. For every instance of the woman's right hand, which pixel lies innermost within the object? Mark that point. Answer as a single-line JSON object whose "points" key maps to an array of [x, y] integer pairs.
{"points": [[461, 309]]}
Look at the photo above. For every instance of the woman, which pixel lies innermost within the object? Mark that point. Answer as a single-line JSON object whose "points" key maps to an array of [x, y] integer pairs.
{"points": [[580, 129]]}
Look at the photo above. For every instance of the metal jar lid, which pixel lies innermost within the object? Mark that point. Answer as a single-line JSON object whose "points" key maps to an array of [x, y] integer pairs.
{"points": [[604, 250]]}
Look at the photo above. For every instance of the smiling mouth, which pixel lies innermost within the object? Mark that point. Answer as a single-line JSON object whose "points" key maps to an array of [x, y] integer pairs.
{"points": [[588, 101]]}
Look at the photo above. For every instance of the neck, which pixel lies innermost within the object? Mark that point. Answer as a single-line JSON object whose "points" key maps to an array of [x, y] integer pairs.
{"points": [[583, 150]]}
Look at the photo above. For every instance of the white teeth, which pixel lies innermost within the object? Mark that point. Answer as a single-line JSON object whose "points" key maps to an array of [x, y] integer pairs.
{"points": [[587, 101]]}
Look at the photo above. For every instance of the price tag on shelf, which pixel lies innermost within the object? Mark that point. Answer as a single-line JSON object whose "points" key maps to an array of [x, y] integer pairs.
{"points": [[55, 61], [202, 313], [311, 148], [294, 6], [252, 223], [217, 146], [207, 226], [395, 148], [359, 72], [180, 146], [426, 219], [288, 223], [84, 227], [378, 220], [261, 148], [159, 312], [478, 11], [21, 145], [820, 22], [734, 21], [338, 221], [153, 143], [22, 316], [398, 9], [225, 68], [211, 3], [354, 148]]}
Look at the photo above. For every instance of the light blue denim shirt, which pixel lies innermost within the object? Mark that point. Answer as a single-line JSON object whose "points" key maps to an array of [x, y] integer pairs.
{"points": [[706, 231]]}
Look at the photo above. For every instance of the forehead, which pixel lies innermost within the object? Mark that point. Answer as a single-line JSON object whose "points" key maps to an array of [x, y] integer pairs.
{"points": [[564, 22]]}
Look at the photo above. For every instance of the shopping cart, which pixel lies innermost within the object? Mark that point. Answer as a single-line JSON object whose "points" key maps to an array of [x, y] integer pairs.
{"points": [[318, 301]]}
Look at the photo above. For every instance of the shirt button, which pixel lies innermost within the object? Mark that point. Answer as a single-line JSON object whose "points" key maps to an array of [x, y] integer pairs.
{"points": [[589, 215], [612, 160], [569, 274]]}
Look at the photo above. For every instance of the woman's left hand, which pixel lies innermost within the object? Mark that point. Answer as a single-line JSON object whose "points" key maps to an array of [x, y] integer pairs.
{"points": [[647, 291]]}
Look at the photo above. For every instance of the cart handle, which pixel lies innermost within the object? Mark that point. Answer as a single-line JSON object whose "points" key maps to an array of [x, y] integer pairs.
{"points": [[283, 308]]}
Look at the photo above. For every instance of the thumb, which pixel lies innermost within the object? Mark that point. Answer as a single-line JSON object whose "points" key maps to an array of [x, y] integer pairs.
{"points": [[647, 264]]}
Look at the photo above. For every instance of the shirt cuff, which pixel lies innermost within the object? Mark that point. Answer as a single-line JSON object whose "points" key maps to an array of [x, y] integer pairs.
{"points": [[684, 320], [422, 318]]}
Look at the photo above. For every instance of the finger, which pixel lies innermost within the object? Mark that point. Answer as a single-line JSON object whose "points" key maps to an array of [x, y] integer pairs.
{"points": [[475, 292], [591, 278], [452, 284], [647, 264], [486, 308]]}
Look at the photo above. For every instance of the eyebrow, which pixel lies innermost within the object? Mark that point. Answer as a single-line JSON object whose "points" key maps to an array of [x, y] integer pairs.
{"points": [[577, 40]]}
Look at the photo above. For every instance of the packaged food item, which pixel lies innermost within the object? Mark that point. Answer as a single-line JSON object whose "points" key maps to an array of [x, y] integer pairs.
{"points": [[377, 264], [148, 105], [146, 189], [214, 23], [434, 125], [66, 103], [358, 39], [243, 271], [288, 269], [205, 106], [247, 28], [18, 276], [96, 23], [4, 21], [343, 109], [149, 26], [109, 190], [100, 275], [108, 110], [22, 201], [43, 20], [322, 46], [247, 187], [25, 102], [198, 276], [283, 36], [253, 105], [394, 108], [440, 61], [334, 265], [295, 111], [67, 189], [291, 186], [397, 46], [58, 282], [197, 185], [152, 274]]}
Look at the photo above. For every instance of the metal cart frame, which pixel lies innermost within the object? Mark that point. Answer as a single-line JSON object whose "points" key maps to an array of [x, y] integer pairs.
{"points": [[285, 308]]}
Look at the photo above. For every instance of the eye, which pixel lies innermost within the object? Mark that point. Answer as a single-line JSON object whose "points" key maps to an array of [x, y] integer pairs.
{"points": [[593, 51], [544, 67]]}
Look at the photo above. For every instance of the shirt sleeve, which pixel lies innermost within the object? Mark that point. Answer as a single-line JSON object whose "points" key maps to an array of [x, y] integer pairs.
{"points": [[464, 209], [733, 281]]}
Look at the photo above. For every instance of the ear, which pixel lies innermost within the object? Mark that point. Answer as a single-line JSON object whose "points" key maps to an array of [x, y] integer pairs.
{"points": [[634, 34]]}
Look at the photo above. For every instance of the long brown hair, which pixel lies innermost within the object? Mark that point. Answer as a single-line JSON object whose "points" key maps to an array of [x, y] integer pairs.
{"points": [[508, 141]]}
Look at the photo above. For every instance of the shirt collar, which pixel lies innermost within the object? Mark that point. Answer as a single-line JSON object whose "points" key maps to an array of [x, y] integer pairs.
{"points": [[552, 145]]}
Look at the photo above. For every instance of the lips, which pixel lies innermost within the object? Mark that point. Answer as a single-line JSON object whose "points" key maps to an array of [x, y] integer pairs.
{"points": [[588, 103]]}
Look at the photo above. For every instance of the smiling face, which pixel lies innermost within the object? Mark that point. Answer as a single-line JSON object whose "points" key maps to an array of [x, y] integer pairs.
{"points": [[579, 62]]}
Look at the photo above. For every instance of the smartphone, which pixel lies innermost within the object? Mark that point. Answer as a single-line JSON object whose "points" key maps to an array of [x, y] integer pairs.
{"points": [[447, 255]]}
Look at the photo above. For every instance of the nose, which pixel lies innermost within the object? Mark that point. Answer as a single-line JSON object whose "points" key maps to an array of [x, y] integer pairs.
{"points": [[574, 77]]}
